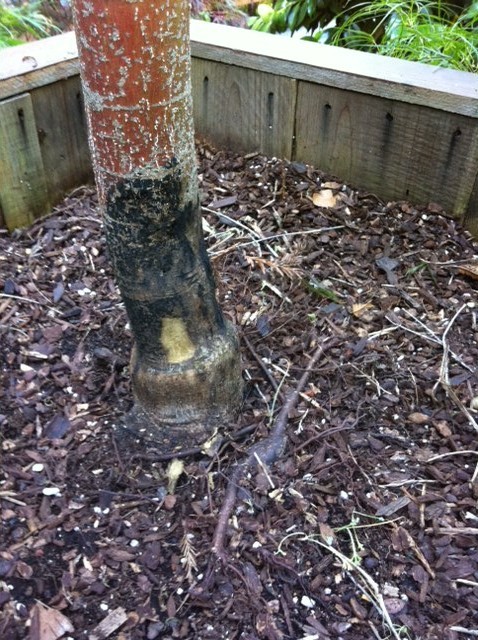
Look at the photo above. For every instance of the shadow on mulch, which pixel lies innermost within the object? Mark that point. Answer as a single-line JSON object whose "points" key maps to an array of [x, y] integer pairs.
{"points": [[366, 526]]}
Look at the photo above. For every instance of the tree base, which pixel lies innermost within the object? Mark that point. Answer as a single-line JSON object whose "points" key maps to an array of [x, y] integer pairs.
{"points": [[181, 405], [139, 427]]}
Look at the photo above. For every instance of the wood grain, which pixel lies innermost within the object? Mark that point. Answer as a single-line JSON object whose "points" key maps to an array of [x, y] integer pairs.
{"points": [[23, 189], [36, 64], [61, 124], [470, 219], [411, 82], [243, 110], [397, 150]]}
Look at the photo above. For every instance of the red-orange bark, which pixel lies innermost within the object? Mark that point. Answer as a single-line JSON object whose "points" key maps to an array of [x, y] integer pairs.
{"points": [[135, 65]]}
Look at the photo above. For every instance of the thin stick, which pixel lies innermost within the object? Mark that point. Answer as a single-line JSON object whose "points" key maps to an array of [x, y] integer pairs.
{"points": [[272, 381], [431, 337], [470, 632], [441, 456], [268, 450], [444, 379]]}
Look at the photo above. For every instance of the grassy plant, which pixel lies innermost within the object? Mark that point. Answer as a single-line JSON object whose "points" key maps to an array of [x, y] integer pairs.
{"points": [[432, 31], [416, 30], [363, 580], [25, 22]]}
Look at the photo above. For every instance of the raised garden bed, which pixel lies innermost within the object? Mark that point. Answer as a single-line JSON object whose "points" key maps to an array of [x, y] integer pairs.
{"points": [[366, 526], [399, 129]]}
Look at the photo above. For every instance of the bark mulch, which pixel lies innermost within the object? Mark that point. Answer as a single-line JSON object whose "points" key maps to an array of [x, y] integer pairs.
{"points": [[364, 527]]}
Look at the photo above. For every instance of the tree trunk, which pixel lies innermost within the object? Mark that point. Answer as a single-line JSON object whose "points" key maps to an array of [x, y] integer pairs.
{"points": [[135, 67]]}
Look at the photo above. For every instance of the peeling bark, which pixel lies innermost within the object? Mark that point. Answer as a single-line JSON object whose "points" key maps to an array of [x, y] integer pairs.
{"points": [[135, 66]]}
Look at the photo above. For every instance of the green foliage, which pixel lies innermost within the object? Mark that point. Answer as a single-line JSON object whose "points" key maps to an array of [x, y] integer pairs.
{"points": [[291, 15], [21, 23], [435, 32], [423, 31]]}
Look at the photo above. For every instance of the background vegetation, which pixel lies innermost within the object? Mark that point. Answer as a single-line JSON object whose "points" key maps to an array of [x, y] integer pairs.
{"points": [[439, 32], [435, 32], [23, 21]]}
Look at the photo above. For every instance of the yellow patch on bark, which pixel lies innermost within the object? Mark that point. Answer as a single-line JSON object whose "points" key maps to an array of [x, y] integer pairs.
{"points": [[175, 340]]}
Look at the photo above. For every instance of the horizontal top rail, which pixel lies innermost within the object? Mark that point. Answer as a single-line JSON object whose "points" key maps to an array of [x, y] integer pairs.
{"points": [[25, 67], [37, 63], [413, 82]]}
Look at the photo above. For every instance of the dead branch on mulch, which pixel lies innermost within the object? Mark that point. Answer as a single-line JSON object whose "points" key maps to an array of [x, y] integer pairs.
{"points": [[263, 453]]}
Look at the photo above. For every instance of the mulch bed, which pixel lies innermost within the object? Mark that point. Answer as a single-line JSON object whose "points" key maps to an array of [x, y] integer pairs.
{"points": [[365, 527]]}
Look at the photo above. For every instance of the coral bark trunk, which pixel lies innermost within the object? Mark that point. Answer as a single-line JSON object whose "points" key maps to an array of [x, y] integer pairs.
{"points": [[135, 66]]}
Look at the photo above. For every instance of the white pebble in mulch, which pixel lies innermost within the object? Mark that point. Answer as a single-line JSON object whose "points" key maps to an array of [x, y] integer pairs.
{"points": [[305, 601], [51, 491]]}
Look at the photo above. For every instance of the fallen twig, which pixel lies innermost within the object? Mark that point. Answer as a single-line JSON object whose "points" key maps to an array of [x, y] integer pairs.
{"points": [[431, 337], [270, 378], [444, 379], [470, 632], [366, 583], [267, 451]]}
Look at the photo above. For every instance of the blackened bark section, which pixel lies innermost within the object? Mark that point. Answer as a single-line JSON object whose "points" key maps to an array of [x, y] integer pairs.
{"points": [[160, 260]]}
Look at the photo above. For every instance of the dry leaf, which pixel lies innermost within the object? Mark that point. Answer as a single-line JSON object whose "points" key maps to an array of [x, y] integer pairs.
{"points": [[394, 605], [324, 198], [326, 533], [443, 428], [331, 185], [24, 570], [418, 418], [470, 269], [211, 446], [48, 624], [358, 310], [170, 502]]}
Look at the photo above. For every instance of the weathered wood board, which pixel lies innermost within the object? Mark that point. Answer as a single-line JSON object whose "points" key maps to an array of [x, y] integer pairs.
{"points": [[470, 220], [242, 109], [23, 186], [389, 78], [37, 64], [62, 131], [403, 130], [397, 150]]}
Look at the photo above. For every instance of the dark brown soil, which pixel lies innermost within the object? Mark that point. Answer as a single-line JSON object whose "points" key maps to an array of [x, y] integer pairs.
{"points": [[366, 527]]}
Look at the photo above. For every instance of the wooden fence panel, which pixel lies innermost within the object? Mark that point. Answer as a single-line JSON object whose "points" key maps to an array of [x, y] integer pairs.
{"points": [[470, 220], [61, 124], [242, 109], [403, 130], [24, 192], [398, 150]]}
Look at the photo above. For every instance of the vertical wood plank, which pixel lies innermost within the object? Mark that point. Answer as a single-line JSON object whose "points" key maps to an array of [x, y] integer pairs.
{"points": [[23, 189], [397, 150], [470, 219], [242, 109], [61, 123]]}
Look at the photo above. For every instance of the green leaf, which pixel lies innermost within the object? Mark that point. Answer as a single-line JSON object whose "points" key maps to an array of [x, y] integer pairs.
{"points": [[319, 290], [292, 17], [416, 268], [264, 10]]}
